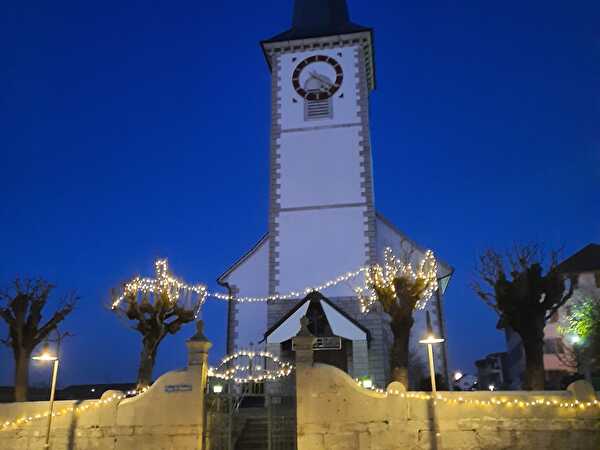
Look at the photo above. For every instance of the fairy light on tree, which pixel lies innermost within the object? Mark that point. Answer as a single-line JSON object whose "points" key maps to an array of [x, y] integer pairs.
{"points": [[159, 306], [580, 325], [400, 289]]}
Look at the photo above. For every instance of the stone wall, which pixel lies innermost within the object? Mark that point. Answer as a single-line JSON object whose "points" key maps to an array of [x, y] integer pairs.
{"points": [[168, 416], [334, 412]]}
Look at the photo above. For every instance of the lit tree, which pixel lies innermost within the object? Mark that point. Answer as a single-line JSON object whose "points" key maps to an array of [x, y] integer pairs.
{"points": [[581, 327], [524, 297], [21, 307], [400, 289], [159, 306]]}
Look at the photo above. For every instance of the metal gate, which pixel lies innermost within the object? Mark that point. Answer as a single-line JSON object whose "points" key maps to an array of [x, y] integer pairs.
{"points": [[245, 417]]}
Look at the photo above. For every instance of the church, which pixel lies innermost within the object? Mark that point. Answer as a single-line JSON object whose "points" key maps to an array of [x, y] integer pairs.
{"points": [[322, 218]]}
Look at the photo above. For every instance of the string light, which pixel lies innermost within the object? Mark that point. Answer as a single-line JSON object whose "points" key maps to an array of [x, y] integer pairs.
{"points": [[503, 401], [226, 371], [383, 278], [164, 284], [292, 294], [174, 288], [13, 424]]}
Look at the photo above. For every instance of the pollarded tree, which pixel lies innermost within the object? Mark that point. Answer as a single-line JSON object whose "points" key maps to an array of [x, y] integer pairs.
{"points": [[525, 295], [159, 307], [21, 307], [400, 290]]}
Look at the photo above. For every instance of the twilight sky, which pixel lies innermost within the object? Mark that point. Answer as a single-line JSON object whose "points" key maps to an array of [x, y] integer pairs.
{"points": [[132, 130]]}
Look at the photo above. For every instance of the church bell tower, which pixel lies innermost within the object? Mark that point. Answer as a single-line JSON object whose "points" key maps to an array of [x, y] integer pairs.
{"points": [[322, 218]]}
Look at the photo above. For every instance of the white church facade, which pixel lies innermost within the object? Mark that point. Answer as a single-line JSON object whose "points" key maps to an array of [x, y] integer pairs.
{"points": [[322, 217]]}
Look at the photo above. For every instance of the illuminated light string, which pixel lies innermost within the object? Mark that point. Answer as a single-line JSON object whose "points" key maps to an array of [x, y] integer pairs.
{"points": [[173, 287], [540, 402], [383, 278], [164, 283], [13, 424], [228, 372]]}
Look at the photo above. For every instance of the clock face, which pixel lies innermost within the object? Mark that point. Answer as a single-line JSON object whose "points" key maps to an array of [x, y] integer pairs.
{"points": [[323, 70]]}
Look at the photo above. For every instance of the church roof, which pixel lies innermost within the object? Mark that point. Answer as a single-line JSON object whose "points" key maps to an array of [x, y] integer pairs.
{"points": [[318, 18], [585, 260], [342, 323]]}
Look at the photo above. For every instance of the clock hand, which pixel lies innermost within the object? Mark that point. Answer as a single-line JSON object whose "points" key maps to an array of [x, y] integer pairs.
{"points": [[321, 79]]}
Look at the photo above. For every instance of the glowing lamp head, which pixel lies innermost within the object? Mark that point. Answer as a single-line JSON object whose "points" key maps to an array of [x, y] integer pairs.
{"points": [[367, 383], [431, 339], [458, 375], [218, 388], [46, 355], [491, 387]]}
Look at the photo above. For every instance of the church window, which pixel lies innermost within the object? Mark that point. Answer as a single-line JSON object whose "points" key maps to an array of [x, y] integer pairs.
{"points": [[317, 109]]}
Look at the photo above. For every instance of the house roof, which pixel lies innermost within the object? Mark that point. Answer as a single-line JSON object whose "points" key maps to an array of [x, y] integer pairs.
{"points": [[585, 260], [312, 297], [318, 18]]}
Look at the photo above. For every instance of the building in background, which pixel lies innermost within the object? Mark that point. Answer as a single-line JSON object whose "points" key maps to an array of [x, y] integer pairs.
{"points": [[492, 372], [583, 269], [322, 219]]}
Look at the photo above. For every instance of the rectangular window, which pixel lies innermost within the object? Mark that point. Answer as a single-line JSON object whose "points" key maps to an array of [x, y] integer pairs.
{"points": [[553, 346]]}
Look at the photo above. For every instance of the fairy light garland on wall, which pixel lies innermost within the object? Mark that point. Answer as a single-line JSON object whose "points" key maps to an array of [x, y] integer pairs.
{"points": [[254, 373], [383, 278], [14, 424], [502, 401], [292, 294]]}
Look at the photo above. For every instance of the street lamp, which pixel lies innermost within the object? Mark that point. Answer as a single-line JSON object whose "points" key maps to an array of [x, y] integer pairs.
{"points": [[430, 340], [47, 356]]}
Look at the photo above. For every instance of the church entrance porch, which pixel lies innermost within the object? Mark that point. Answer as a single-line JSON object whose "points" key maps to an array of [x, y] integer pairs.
{"points": [[340, 341]]}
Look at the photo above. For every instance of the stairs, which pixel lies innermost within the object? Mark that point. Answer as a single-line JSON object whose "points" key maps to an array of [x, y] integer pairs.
{"points": [[254, 435]]}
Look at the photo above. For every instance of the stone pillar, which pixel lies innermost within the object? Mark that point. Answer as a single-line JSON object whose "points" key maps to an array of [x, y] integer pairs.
{"points": [[303, 346], [198, 347]]}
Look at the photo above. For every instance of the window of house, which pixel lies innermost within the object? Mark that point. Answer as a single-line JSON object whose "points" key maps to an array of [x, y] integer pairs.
{"points": [[553, 346]]}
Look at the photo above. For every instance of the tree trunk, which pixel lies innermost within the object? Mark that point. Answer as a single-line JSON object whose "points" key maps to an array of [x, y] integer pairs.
{"points": [[147, 360], [22, 358], [534, 363], [401, 326]]}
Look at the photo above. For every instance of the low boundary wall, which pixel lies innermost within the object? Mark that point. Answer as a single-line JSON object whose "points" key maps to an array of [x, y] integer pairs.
{"points": [[335, 413], [167, 416]]}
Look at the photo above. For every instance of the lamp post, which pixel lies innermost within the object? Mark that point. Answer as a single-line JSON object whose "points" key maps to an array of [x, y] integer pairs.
{"points": [[47, 356], [430, 340]]}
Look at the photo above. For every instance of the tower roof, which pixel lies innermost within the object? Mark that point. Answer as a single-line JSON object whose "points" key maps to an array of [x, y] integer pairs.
{"points": [[317, 18]]}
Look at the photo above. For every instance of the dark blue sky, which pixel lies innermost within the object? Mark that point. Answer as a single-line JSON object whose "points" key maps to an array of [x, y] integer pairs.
{"points": [[131, 130]]}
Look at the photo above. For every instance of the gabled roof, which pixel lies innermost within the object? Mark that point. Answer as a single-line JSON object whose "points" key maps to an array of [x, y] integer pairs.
{"points": [[318, 18], [315, 297], [416, 246], [243, 259], [585, 260]]}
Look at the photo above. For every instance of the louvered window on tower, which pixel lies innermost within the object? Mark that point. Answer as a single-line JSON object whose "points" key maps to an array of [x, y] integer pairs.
{"points": [[317, 109]]}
